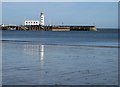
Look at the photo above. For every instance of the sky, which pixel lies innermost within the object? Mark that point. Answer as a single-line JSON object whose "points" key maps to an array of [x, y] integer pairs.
{"points": [[60, 0], [100, 14]]}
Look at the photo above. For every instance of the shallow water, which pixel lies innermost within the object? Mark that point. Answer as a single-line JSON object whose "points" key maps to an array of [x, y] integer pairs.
{"points": [[109, 37], [42, 62]]}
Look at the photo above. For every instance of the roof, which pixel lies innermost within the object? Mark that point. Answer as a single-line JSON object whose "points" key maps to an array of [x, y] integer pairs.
{"points": [[31, 20]]}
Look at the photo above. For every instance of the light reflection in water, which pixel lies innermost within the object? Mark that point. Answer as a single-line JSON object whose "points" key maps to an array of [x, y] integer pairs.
{"points": [[36, 51], [42, 52], [41, 55]]}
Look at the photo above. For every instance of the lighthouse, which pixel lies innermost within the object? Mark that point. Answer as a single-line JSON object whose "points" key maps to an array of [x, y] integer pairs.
{"points": [[42, 19]]}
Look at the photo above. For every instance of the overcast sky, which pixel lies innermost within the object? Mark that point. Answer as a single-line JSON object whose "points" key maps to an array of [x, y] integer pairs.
{"points": [[100, 14]]}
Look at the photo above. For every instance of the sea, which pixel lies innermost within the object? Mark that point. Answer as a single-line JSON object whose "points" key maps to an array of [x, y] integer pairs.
{"points": [[60, 57]]}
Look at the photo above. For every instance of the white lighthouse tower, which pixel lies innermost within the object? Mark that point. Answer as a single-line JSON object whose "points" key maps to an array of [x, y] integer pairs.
{"points": [[42, 19]]}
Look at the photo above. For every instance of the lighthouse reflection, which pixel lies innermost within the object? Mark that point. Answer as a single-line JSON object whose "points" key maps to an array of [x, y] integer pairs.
{"points": [[41, 52], [41, 48], [35, 51]]}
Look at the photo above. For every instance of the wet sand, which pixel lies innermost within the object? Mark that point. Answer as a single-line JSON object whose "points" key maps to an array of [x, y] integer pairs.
{"points": [[59, 64]]}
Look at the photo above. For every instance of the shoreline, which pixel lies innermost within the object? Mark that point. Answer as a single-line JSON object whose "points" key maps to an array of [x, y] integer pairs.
{"points": [[61, 44]]}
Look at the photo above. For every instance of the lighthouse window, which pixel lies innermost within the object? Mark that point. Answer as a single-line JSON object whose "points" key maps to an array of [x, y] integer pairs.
{"points": [[36, 22], [26, 22]]}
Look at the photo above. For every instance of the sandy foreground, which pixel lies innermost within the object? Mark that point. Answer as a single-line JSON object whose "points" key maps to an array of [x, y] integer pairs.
{"points": [[36, 64]]}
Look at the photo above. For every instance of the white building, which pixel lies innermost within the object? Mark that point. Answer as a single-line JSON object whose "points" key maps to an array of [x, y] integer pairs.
{"points": [[41, 22], [32, 22], [42, 19]]}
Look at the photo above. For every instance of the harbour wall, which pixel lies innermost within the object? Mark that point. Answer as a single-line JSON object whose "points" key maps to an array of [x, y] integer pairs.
{"points": [[49, 28]]}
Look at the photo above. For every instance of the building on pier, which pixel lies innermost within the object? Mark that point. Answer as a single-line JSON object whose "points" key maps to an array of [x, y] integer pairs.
{"points": [[38, 22]]}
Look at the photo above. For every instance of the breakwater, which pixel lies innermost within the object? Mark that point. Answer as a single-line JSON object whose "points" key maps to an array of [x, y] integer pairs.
{"points": [[48, 28]]}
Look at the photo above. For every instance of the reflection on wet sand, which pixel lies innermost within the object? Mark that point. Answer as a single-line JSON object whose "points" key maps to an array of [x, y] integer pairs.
{"points": [[41, 55], [41, 52], [35, 50]]}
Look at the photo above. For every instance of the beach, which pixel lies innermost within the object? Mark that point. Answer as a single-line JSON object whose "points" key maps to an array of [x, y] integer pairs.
{"points": [[60, 58]]}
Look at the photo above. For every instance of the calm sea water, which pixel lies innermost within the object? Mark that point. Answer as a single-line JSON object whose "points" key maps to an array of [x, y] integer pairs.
{"points": [[33, 58], [101, 37]]}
